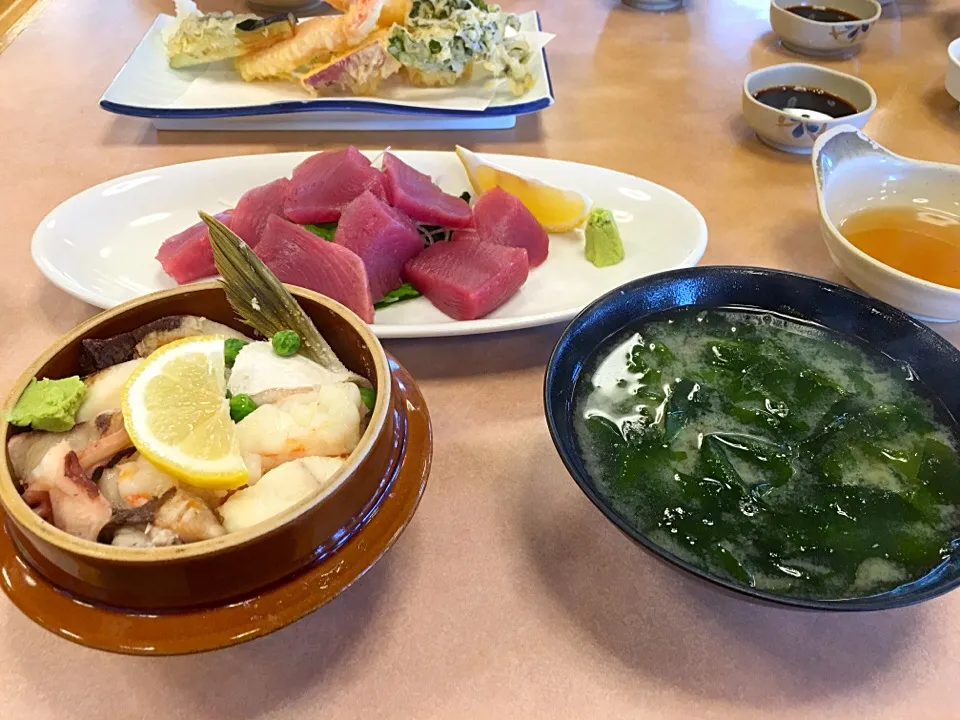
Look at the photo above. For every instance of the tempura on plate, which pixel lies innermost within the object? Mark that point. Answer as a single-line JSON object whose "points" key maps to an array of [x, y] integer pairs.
{"points": [[435, 43], [196, 39], [443, 41]]}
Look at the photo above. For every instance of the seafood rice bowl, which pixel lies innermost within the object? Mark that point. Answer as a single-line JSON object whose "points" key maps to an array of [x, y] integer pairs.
{"points": [[181, 449]]}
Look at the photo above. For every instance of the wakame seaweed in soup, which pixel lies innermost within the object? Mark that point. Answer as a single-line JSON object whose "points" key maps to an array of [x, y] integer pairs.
{"points": [[771, 452]]}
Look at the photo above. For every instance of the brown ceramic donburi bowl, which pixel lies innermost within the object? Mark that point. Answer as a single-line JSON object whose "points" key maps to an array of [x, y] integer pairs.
{"points": [[263, 611], [236, 564]]}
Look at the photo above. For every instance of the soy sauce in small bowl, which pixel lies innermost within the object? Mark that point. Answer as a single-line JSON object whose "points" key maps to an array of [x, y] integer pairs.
{"points": [[823, 27], [793, 99], [818, 13]]}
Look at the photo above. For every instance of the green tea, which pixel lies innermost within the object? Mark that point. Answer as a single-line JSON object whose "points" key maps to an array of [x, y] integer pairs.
{"points": [[772, 452]]}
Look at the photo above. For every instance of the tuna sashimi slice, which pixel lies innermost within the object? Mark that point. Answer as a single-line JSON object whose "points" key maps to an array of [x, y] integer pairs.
{"points": [[187, 256], [255, 207], [325, 183], [503, 219], [383, 238], [469, 278], [465, 234], [298, 257], [414, 193]]}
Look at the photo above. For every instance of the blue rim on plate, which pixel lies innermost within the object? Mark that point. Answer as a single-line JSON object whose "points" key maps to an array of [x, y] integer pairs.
{"points": [[327, 105], [882, 327]]}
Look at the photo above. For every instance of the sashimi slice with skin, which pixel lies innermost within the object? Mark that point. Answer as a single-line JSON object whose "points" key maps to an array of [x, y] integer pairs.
{"points": [[415, 194], [382, 237], [468, 279], [255, 207], [187, 256], [325, 183], [502, 218], [298, 257]]}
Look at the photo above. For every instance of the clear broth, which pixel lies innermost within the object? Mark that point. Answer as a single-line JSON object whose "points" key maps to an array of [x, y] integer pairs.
{"points": [[920, 241]]}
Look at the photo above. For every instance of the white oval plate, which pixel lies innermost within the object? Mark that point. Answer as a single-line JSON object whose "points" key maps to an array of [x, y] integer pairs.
{"points": [[100, 245]]}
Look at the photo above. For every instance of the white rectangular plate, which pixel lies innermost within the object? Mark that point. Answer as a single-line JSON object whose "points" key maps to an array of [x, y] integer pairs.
{"points": [[100, 245], [147, 86], [339, 121]]}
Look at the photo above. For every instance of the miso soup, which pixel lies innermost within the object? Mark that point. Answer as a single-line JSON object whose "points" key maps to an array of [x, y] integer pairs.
{"points": [[772, 452]]}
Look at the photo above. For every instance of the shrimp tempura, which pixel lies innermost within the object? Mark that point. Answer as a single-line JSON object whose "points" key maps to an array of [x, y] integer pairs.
{"points": [[316, 40]]}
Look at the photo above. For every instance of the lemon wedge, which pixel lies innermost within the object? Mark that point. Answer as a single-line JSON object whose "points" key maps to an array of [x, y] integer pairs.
{"points": [[177, 415], [556, 209]]}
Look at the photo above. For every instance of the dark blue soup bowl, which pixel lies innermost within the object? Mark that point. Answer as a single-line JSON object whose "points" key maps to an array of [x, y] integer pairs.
{"points": [[884, 328]]}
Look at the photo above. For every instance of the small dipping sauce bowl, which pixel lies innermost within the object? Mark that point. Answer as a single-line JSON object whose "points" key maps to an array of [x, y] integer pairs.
{"points": [[833, 27], [813, 100], [853, 174], [953, 69]]}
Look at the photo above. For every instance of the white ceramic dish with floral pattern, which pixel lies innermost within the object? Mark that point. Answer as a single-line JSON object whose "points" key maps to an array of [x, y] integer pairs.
{"points": [[797, 129], [815, 37]]}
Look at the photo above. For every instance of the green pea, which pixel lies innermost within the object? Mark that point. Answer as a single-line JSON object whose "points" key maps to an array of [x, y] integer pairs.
{"points": [[240, 406], [232, 348], [286, 343], [369, 397]]}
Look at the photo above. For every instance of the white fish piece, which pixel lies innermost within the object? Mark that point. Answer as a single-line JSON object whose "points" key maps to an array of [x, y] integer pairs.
{"points": [[322, 422], [161, 537], [281, 488], [189, 517], [258, 369], [131, 537], [104, 390], [146, 537]]}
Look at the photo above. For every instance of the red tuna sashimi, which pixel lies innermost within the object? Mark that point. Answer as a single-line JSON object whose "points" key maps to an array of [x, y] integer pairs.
{"points": [[465, 234], [325, 183], [255, 207], [469, 278], [414, 193], [503, 219], [298, 257], [383, 238], [187, 256]]}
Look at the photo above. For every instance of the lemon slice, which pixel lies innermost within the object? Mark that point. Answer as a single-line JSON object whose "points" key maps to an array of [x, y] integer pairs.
{"points": [[558, 210], [176, 412]]}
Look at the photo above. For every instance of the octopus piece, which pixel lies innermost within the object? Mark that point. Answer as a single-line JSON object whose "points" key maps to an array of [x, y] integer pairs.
{"points": [[26, 450], [76, 505]]}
